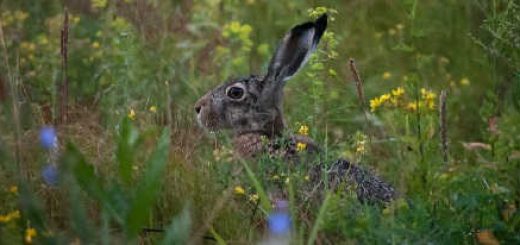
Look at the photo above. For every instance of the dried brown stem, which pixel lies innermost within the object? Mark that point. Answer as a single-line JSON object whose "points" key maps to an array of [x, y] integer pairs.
{"points": [[443, 126], [63, 87], [359, 90], [359, 82]]}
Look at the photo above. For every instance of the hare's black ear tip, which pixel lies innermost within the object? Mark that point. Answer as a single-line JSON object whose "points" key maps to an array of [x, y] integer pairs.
{"points": [[321, 22]]}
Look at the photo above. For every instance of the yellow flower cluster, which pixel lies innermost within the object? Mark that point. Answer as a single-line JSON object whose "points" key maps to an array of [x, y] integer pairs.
{"points": [[30, 233], [16, 17], [10, 216], [301, 146], [13, 189], [223, 154], [242, 32], [428, 98], [396, 98], [97, 4], [131, 114], [361, 144], [304, 130], [387, 75], [392, 98], [318, 11], [239, 190]]}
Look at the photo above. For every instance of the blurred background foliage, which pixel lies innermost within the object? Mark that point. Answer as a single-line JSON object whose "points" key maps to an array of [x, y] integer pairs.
{"points": [[148, 61]]}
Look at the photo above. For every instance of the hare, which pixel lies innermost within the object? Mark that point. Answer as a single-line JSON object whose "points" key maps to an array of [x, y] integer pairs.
{"points": [[251, 108]]}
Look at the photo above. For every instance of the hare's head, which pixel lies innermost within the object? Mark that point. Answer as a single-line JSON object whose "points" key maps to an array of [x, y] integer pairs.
{"points": [[254, 104]]}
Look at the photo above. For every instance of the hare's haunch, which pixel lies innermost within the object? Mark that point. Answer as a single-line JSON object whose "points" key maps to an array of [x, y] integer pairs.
{"points": [[251, 108]]}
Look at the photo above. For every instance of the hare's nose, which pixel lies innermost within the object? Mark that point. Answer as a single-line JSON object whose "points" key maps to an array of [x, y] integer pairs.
{"points": [[202, 102]]}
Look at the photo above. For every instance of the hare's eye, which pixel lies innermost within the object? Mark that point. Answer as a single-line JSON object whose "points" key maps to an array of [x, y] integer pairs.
{"points": [[235, 93]]}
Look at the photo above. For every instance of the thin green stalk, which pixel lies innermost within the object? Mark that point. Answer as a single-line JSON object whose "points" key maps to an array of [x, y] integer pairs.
{"points": [[319, 219], [14, 103]]}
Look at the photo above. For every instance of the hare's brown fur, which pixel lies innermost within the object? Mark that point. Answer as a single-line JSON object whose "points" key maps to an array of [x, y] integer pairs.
{"points": [[251, 108]]}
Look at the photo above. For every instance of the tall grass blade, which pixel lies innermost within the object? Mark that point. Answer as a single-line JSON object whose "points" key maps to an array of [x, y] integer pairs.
{"points": [[178, 232], [125, 150], [264, 200], [319, 219], [148, 187]]}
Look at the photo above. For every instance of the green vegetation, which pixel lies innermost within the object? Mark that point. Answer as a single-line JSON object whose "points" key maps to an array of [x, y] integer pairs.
{"points": [[130, 155]]}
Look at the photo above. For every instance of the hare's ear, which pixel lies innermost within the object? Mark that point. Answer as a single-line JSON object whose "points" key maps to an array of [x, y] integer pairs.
{"points": [[295, 49]]}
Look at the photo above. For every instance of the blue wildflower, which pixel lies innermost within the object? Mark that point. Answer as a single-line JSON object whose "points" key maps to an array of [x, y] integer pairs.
{"points": [[48, 139], [279, 223], [50, 175]]}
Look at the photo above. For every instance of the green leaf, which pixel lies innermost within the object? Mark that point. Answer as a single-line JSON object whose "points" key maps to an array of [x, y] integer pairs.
{"points": [[264, 200], [125, 150], [148, 187], [84, 173], [88, 181], [178, 232], [218, 238], [319, 219]]}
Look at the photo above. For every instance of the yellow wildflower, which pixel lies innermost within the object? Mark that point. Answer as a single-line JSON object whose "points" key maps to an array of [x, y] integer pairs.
{"points": [[153, 109], [392, 31], [399, 26], [464, 81], [253, 198], [20, 15], [43, 40], [99, 3], [10, 216], [384, 98], [13, 189], [430, 104], [95, 45], [275, 177], [131, 114], [412, 106], [428, 94], [304, 130], [399, 91], [30, 233], [429, 98], [239, 190], [75, 19], [27, 46], [360, 147], [387, 75], [374, 104], [301, 146]]}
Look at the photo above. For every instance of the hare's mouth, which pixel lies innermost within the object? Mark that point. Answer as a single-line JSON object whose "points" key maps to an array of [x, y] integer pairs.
{"points": [[207, 122]]}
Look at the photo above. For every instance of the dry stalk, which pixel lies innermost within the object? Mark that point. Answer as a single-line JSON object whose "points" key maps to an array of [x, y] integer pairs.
{"points": [[63, 86], [359, 83], [13, 90], [443, 126], [360, 92]]}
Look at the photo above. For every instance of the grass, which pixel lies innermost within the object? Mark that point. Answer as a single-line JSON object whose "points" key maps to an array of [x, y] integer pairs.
{"points": [[132, 157]]}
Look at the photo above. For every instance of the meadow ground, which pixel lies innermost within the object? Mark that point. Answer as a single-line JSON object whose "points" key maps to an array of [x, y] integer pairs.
{"points": [[116, 81]]}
